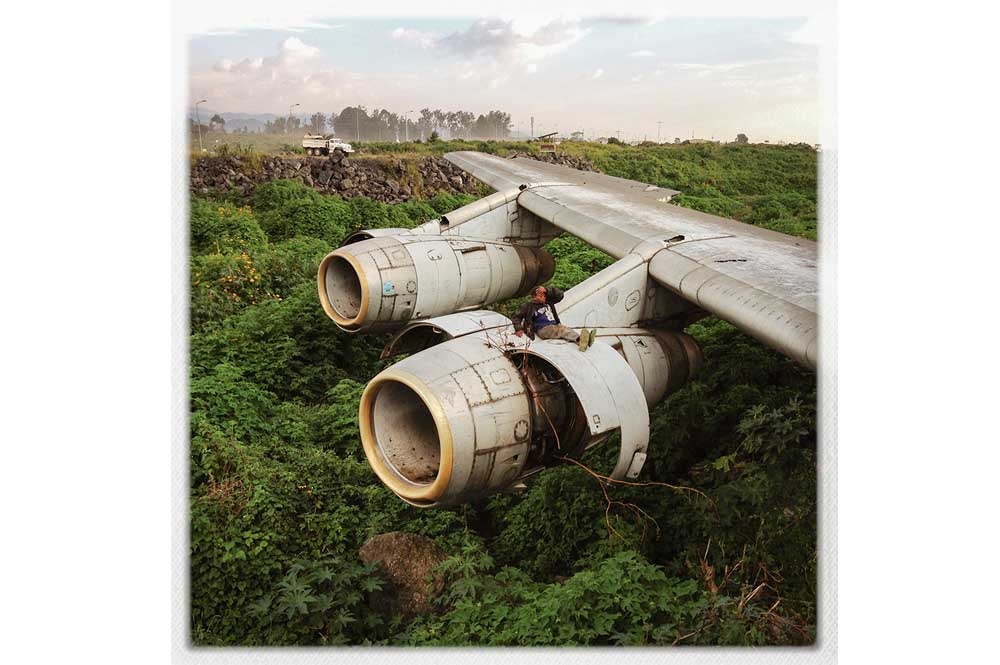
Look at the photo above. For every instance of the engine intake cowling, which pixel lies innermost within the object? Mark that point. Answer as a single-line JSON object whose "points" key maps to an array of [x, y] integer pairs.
{"points": [[383, 282]]}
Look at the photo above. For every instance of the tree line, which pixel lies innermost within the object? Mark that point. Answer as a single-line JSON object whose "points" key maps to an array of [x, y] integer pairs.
{"points": [[356, 123]]}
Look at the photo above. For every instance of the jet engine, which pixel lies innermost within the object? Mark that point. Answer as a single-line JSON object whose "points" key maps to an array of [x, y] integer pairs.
{"points": [[382, 282], [479, 413]]}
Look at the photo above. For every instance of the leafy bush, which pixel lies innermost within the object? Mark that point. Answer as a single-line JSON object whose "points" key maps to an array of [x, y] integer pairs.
{"points": [[222, 284], [222, 227], [622, 600], [271, 196], [320, 602], [327, 218]]}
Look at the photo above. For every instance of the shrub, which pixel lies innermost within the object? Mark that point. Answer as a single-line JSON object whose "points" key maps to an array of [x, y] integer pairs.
{"points": [[223, 284], [223, 227], [271, 196]]}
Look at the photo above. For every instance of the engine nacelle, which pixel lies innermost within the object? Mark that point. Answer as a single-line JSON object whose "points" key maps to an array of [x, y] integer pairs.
{"points": [[475, 414], [385, 281]]}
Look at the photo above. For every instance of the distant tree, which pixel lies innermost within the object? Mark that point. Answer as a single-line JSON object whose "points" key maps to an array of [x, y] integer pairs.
{"points": [[276, 126], [317, 123], [352, 120], [193, 126], [742, 138], [217, 123], [434, 136], [614, 141]]}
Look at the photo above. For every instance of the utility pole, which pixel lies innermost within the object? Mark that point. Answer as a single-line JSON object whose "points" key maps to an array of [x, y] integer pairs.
{"points": [[197, 119], [532, 126], [406, 124], [357, 122], [659, 123], [289, 122]]}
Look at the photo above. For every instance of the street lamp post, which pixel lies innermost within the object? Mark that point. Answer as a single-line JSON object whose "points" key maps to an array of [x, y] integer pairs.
{"points": [[289, 121], [197, 119]]}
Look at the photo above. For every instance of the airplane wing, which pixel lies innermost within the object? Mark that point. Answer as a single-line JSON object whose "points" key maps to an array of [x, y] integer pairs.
{"points": [[761, 281]]}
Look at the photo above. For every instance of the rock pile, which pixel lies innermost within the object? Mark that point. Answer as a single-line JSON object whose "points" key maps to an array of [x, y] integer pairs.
{"points": [[561, 158], [389, 181], [392, 181]]}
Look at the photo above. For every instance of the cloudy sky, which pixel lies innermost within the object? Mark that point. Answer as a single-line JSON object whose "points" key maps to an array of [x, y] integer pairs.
{"points": [[700, 77]]}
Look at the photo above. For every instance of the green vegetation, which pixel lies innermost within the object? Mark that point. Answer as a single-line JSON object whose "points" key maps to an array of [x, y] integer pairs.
{"points": [[282, 497], [769, 186]]}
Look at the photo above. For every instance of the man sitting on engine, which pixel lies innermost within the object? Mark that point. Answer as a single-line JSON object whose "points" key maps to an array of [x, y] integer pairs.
{"points": [[538, 316]]}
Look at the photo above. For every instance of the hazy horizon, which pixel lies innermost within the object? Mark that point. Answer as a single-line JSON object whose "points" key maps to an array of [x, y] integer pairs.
{"points": [[701, 78]]}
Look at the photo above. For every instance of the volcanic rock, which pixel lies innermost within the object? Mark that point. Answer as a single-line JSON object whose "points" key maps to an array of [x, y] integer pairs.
{"points": [[407, 560]]}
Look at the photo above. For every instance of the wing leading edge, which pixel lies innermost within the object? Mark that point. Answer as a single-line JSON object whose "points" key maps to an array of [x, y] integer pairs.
{"points": [[761, 281]]}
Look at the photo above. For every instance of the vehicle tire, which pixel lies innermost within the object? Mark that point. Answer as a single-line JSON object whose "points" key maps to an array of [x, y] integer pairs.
{"points": [[309, 151]]}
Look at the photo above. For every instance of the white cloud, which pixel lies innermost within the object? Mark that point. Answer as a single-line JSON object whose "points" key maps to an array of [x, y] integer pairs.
{"points": [[598, 73], [295, 73], [418, 38], [501, 41], [530, 68], [817, 30], [630, 20], [294, 48], [641, 54]]}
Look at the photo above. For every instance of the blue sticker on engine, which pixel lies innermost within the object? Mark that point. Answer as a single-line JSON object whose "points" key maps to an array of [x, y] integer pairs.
{"points": [[388, 288]]}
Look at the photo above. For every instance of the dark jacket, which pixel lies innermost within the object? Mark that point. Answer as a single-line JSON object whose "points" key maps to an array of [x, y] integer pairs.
{"points": [[525, 317]]}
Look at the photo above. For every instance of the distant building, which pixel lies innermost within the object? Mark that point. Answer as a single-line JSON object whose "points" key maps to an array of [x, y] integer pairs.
{"points": [[602, 140], [576, 136]]}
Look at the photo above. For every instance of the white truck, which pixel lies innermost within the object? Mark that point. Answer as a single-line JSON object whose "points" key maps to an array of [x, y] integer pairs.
{"points": [[317, 144]]}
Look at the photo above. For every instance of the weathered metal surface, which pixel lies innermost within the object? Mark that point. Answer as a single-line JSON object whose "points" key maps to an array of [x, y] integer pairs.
{"points": [[383, 282], [609, 392], [504, 174], [470, 395], [779, 323], [458, 421], [662, 360], [368, 234], [496, 217], [621, 295], [762, 281], [419, 335]]}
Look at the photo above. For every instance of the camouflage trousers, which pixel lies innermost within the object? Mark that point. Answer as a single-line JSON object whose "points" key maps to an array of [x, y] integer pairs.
{"points": [[558, 331]]}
